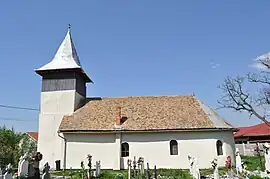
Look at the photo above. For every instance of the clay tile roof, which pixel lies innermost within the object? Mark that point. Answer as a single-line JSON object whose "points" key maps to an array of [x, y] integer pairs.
{"points": [[256, 130], [144, 113], [33, 135]]}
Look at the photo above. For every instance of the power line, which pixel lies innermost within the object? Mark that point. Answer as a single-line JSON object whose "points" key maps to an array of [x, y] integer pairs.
{"points": [[18, 107], [12, 119]]}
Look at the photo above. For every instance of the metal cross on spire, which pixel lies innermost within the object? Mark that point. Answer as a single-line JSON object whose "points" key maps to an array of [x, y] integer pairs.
{"points": [[69, 26]]}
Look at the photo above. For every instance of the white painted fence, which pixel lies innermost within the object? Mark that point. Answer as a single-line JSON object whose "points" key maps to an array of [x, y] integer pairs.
{"points": [[247, 149]]}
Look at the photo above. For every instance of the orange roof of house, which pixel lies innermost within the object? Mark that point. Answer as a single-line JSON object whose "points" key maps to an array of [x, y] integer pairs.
{"points": [[256, 130], [34, 135]]}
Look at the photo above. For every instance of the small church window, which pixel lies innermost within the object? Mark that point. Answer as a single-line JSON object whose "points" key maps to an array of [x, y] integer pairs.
{"points": [[219, 147], [173, 147], [124, 149]]}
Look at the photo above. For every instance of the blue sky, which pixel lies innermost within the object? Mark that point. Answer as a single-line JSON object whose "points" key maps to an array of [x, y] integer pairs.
{"points": [[130, 48]]}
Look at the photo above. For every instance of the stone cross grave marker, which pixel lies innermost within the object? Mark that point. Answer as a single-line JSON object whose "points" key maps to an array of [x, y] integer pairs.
{"points": [[196, 169], [129, 168], [141, 165], [193, 167], [89, 158], [98, 166], [8, 174], [267, 157], [239, 168], [215, 167], [46, 174], [1, 174], [23, 166]]}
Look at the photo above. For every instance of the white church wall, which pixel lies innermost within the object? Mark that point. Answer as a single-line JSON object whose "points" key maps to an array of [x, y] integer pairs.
{"points": [[101, 146], [54, 106], [154, 147], [49, 144], [57, 102]]}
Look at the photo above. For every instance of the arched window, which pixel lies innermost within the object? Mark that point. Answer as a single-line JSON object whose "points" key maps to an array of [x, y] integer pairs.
{"points": [[124, 149], [173, 147], [219, 148]]}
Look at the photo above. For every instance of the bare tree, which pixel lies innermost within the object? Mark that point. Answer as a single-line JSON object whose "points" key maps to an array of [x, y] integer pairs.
{"points": [[237, 98]]}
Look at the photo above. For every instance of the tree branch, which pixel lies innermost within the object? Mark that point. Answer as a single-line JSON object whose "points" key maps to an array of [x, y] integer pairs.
{"points": [[236, 98]]}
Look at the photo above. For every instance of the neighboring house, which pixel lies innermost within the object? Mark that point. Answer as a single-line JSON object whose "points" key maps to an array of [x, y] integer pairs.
{"points": [[162, 129], [28, 143], [247, 137], [33, 136], [259, 133]]}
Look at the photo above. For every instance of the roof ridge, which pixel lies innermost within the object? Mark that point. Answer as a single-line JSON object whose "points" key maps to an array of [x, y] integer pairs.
{"points": [[120, 97], [218, 119]]}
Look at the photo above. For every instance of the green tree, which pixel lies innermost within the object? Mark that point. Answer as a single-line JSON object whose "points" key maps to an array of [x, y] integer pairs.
{"points": [[9, 146], [27, 145]]}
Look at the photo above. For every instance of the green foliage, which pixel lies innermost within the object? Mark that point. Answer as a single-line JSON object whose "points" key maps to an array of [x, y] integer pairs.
{"points": [[111, 174], [253, 162], [256, 177], [174, 173], [9, 145], [209, 171], [27, 145], [13, 145]]}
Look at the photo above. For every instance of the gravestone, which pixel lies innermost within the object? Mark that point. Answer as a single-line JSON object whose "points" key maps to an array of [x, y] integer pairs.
{"points": [[33, 167], [129, 168], [1, 174], [215, 167], [232, 175], [8, 174], [190, 161], [98, 166], [267, 157], [89, 158], [46, 174], [194, 167], [141, 165], [239, 168], [19, 165], [23, 166]]}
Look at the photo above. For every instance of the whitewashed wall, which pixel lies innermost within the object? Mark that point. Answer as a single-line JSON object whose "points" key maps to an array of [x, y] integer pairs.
{"points": [[101, 147], [154, 147], [53, 106]]}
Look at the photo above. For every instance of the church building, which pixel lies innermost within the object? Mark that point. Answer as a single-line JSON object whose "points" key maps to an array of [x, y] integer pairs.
{"points": [[163, 130]]}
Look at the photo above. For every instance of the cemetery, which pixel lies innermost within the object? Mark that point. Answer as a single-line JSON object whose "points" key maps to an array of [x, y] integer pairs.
{"points": [[246, 167], [133, 137], [103, 138]]}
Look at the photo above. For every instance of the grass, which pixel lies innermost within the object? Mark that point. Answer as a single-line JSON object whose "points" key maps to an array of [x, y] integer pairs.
{"points": [[111, 174], [252, 162]]}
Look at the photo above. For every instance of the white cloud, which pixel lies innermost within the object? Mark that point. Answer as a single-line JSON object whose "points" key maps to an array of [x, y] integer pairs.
{"points": [[258, 65], [214, 65]]}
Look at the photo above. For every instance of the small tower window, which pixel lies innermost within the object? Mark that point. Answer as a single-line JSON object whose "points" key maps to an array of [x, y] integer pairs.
{"points": [[173, 147], [125, 149], [219, 147]]}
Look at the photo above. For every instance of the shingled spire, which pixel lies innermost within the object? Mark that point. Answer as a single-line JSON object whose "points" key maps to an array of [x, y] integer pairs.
{"points": [[66, 58]]}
